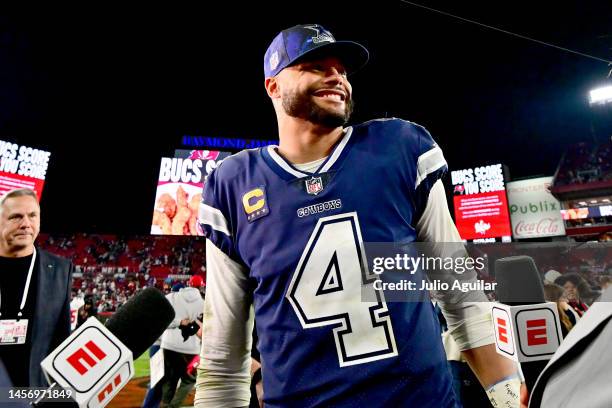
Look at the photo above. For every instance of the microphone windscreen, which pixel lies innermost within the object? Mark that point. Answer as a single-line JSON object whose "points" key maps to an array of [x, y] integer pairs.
{"points": [[518, 281], [141, 320]]}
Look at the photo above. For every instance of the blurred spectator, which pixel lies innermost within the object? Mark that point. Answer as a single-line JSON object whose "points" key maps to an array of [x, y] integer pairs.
{"points": [[571, 282], [551, 276], [167, 285], [587, 292], [87, 310], [567, 315], [76, 303], [196, 281], [180, 343]]}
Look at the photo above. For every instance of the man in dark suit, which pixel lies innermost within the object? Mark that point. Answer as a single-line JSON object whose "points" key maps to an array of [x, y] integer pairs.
{"points": [[34, 292]]}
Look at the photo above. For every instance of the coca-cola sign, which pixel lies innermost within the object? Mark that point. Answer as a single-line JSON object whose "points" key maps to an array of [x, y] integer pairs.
{"points": [[534, 212], [544, 227]]}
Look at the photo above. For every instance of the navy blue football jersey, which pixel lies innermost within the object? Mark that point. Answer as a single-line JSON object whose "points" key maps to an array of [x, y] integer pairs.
{"points": [[300, 235]]}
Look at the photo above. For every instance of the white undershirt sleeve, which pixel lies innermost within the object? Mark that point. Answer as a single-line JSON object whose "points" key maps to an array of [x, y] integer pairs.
{"points": [[468, 314], [224, 371]]}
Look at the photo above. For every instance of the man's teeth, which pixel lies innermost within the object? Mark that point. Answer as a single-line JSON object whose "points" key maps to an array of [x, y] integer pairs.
{"points": [[332, 96]]}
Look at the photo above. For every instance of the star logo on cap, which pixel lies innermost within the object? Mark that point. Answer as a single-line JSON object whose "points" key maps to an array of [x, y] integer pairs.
{"points": [[274, 60], [318, 38]]}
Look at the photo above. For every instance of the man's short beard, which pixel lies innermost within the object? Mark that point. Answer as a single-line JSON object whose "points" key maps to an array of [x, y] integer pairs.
{"points": [[300, 105]]}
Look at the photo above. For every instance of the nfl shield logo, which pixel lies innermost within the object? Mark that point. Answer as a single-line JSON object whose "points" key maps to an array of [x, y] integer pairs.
{"points": [[314, 185]]}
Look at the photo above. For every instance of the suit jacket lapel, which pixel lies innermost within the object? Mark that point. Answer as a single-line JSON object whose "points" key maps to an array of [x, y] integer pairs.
{"points": [[44, 308]]}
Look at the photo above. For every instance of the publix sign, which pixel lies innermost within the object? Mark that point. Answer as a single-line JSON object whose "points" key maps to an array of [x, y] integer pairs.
{"points": [[534, 212]]}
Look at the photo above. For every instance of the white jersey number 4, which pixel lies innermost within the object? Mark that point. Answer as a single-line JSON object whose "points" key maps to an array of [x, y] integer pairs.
{"points": [[326, 290]]}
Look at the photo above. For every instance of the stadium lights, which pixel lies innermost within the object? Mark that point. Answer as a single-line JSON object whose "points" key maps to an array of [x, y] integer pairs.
{"points": [[601, 95]]}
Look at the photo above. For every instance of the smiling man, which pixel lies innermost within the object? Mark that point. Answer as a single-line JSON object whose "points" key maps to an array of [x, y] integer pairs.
{"points": [[34, 289], [286, 227]]}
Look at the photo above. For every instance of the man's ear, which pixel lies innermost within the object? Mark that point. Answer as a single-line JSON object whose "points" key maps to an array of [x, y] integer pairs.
{"points": [[272, 87]]}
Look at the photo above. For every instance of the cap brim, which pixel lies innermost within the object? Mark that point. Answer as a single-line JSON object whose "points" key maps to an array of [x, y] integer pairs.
{"points": [[353, 55]]}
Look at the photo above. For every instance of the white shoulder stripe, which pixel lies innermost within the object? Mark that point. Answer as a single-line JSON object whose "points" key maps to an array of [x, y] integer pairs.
{"points": [[429, 162], [211, 216], [282, 163], [338, 150]]}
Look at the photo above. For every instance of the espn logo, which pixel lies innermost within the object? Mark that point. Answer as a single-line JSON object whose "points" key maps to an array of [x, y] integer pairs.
{"points": [[103, 395], [82, 355], [106, 391], [503, 331], [87, 358], [536, 332]]}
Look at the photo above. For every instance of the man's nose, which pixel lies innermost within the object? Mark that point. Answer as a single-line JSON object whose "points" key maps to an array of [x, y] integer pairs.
{"points": [[26, 222], [335, 74]]}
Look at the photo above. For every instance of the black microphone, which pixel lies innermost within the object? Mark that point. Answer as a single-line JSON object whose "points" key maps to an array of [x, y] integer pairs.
{"points": [[527, 329], [96, 361], [141, 320], [518, 281]]}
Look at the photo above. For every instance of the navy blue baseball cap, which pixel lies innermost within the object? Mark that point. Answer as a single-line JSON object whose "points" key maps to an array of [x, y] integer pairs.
{"points": [[297, 42]]}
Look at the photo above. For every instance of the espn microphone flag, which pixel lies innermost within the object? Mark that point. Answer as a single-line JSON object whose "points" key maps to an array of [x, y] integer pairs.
{"points": [[88, 361], [527, 328], [527, 333], [97, 361]]}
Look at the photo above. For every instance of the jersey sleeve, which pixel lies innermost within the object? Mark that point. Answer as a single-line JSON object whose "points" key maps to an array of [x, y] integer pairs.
{"points": [[214, 216], [430, 166], [223, 378], [468, 314]]}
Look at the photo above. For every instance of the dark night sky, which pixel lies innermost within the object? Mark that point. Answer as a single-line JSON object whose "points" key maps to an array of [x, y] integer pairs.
{"points": [[109, 92]]}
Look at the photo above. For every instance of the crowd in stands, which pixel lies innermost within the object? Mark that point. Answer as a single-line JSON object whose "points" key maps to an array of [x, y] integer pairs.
{"points": [[585, 163], [110, 269]]}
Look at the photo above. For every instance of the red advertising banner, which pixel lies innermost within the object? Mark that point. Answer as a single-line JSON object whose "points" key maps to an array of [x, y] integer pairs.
{"points": [[22, 167], [481, 204], [179, 190], [483, 215]]}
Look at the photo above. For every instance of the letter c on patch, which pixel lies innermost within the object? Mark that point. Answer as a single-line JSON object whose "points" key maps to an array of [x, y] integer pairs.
{"points": [[247, 199]]}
